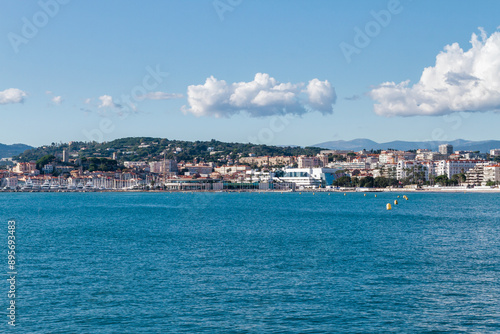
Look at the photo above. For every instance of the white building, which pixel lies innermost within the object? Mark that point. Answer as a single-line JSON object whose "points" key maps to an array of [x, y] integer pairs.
{"points": [[406, 169], [308, 162], [10, 182], [47, 169], [26, 167], [492, 173], [223, 170], [164, 166], [135, 164], [348, 165], [309, 177], [427, 155], [475, 176], [452, 167], [446, 149], [495, 152]]}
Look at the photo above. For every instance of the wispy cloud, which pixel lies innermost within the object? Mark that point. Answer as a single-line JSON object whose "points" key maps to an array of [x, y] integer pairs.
{"points": [[352, 98], [459, 81], [12, 95], [160, 96], [264, 96]]}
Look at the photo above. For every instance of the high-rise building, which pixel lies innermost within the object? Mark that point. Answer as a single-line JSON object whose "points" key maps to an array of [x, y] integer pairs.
{"points": [[446, 149]]}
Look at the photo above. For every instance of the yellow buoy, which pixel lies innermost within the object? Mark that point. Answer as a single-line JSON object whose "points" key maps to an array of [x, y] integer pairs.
{"points": [[388, 206], [313, 193], [398, 196], [300, 193], [375, 195], [344, 194], [365, 195], [395, 202], [329, 194]]}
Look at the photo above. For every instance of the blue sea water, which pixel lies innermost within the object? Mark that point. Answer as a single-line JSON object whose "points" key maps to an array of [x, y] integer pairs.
{"points": [[253, 263]]}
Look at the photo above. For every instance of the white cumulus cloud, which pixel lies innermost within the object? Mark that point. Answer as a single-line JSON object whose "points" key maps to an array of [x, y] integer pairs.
{"points": [[107, 102], [459, 81], [321, 95], [57, 100], [264, 96], [12, 95]]}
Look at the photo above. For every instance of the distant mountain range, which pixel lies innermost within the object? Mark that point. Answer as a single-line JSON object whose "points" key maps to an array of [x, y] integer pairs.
{"points": [[7, 151], [367, 144]]}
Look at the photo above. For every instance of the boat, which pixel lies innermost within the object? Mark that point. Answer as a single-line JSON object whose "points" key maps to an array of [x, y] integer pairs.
{"points": [[28, 185], [89, 185], [45, 185], [79, 186], [54, 186]]}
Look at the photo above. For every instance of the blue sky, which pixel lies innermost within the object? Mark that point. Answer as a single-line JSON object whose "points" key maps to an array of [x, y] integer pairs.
{"points": [[274, 70]]}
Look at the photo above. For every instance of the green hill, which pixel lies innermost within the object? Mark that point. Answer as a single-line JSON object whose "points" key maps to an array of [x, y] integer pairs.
{"points": [[7, 151], [147, 148]]}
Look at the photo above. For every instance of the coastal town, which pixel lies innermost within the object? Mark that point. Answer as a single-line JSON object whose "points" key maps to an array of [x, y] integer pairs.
{"points": [[328, 170]]}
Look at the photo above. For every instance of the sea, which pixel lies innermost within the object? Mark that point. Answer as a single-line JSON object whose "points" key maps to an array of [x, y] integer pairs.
{"points": [[261, 262]]}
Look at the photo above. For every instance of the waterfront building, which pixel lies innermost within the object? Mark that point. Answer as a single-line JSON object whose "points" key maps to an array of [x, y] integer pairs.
{"points": [[492, 173], [475, 175], [415, 169], [10, 182], [309, 177], [452, 167]]}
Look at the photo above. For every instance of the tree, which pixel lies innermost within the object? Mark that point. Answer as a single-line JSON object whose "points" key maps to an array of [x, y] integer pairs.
{"points": [[44, 160], [442, 180], [366, 182], [343, 181]]}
